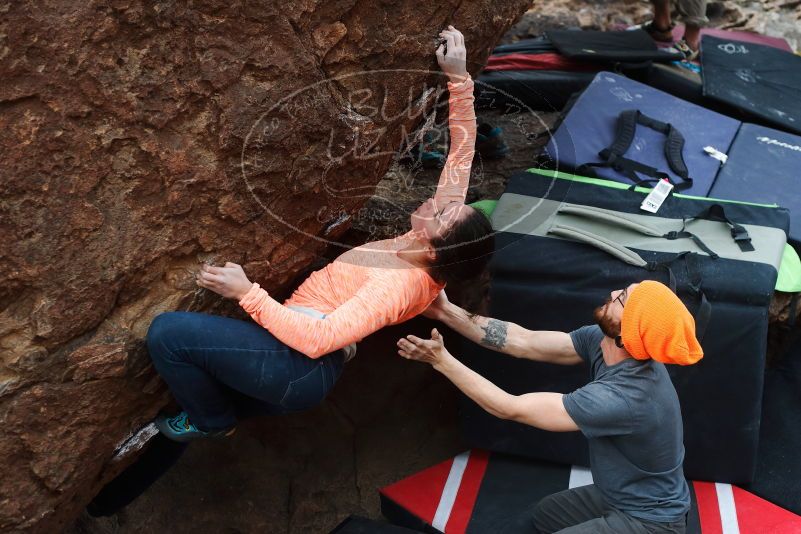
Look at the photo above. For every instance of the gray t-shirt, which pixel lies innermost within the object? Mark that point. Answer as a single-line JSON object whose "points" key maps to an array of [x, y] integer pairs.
{"points": [[630, 414]]}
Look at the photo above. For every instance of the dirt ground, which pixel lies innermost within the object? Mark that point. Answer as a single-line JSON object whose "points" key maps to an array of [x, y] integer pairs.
{"points": [[386, 418]]}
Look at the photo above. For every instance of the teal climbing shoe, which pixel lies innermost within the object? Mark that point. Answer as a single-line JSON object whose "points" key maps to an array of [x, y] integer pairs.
{"points": [[489, 142], [180, 428]]}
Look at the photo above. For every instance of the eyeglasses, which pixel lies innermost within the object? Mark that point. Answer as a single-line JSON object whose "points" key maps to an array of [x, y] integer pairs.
{"points": [[621, 296]]}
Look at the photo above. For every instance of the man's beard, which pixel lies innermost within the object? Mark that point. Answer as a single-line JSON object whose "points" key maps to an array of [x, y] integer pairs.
{"points": [[609, 326]]}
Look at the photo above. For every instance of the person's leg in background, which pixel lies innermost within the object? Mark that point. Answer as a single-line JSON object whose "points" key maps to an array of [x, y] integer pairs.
{"points": [[662, 20], [693, 15], [660, 27]]}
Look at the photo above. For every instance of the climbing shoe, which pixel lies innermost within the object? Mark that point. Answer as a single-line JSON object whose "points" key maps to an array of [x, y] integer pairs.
{"points": [[180, 428], [489, 142], [432, 159], [684, 48], [428, 154]]}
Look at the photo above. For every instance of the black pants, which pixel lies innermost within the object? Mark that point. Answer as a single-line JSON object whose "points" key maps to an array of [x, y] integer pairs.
{"points": [[583, 511]]}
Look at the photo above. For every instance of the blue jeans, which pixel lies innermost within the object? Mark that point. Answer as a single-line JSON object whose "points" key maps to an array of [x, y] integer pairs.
{"points": [[217, 367]]}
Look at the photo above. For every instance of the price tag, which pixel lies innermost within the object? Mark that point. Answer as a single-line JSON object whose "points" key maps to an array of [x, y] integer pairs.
{"points": [[717, 154], [657, 196]]}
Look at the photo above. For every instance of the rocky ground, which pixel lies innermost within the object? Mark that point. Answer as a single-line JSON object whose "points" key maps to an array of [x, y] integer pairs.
{"points": [[386, 418], [777, 18]]}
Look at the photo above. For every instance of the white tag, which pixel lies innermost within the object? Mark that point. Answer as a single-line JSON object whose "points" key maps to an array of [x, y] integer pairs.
{"points": [[717, 154], [657, 196]]}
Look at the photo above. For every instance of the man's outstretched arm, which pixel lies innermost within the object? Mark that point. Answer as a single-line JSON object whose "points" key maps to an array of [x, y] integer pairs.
{"points": [[506, 337], [540, 410]]}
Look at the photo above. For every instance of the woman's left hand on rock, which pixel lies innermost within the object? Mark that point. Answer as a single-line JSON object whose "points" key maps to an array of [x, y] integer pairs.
{"points": [[228, 281], [452, 55]]}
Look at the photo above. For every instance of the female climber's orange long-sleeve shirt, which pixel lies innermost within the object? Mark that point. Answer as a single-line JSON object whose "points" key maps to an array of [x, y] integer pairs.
{"points": [[369, 287]]}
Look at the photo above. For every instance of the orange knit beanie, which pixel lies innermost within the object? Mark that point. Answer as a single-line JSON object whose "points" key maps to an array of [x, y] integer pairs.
{"points": [[657, 325]]}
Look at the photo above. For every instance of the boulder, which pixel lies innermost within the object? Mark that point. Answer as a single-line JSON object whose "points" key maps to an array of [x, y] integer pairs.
{"points": [[141, 138]]}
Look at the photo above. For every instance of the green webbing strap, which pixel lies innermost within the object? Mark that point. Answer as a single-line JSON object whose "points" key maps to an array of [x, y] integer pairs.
{"points": [[617, 185]]}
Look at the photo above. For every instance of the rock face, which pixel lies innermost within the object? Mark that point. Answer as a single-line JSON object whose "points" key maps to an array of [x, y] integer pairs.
{"points": [[141, 138]]}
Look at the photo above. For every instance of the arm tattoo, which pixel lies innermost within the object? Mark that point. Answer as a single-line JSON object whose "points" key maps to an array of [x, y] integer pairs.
{"points": [[495, 333]]}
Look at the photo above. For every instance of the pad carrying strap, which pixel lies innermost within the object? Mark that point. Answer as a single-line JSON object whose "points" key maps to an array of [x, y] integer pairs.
{"points": [[613, 156], [716, 212], [627, 255]]}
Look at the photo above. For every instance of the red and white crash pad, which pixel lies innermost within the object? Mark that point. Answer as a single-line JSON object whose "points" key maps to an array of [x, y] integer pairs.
{"points": [[478, 492]]}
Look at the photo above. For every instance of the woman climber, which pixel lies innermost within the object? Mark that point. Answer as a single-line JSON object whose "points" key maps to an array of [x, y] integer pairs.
{"points": [[290, 358]]}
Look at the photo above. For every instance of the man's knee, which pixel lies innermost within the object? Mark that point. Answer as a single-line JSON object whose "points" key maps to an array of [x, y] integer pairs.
{"points": [[543, 518]]}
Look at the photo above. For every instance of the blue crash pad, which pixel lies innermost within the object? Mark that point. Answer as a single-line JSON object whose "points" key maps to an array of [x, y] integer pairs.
{"points": [[589, 127]]}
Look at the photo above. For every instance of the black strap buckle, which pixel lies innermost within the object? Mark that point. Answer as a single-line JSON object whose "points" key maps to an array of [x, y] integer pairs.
{"points": [[740, 234], [672, 235]]}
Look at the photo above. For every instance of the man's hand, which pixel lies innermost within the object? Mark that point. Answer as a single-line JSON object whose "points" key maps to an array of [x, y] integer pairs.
{"points": [[540, 410], [229, 281], [436, 310], [431, 351], [452, 61]]}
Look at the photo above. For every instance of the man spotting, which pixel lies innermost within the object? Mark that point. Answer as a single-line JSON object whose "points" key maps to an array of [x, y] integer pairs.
{"points": [[629, 411]]}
